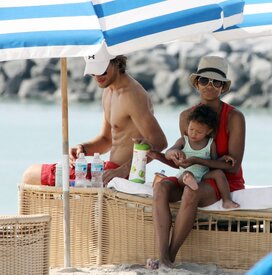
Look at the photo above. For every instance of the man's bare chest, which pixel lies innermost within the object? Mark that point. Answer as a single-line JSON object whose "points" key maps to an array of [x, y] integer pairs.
{"points": [[116, 113]]}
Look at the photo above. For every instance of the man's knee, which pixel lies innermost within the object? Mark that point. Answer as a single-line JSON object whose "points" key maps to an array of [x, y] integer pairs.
{"points": [[32, 175]]}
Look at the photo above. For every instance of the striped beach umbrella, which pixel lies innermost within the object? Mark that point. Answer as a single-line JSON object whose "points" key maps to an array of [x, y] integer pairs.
{"points": [[73, 28], [133, 25], [257, 22]]}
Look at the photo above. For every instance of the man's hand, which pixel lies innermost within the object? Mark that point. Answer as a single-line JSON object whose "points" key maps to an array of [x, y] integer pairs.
{"points": [[74, 152], [108, 175], [141, 141]]}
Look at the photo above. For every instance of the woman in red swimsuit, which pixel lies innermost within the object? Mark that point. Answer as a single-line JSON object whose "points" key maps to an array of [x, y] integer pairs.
{"points": [[211, 82]]}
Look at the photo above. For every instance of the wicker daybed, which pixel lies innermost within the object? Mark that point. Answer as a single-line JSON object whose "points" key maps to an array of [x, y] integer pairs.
{"points": [[123, 233], [24, 244]]}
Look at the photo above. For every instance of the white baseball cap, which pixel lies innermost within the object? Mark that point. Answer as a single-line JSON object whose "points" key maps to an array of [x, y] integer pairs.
{"points": [[98, 63]]}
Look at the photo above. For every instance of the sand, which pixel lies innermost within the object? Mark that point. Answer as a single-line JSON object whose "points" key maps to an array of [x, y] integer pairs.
{"points": [[128, 269]]}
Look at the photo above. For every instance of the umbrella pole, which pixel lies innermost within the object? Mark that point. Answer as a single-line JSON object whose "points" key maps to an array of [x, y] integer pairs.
{"points": [[65, 163], [65, 170]]}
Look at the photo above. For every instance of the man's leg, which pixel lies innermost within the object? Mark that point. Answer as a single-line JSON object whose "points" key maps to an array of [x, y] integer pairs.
{"points": [[164, 192], [185, 218], [32, 175]]}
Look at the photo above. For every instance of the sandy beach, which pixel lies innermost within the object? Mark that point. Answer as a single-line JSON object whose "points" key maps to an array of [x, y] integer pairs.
{"points": [[128, 269]]}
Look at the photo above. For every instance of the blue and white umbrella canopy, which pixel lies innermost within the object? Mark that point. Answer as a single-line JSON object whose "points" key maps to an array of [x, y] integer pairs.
{"points": [[48, 28], [130, 25], [257, 22], [70, 28]]}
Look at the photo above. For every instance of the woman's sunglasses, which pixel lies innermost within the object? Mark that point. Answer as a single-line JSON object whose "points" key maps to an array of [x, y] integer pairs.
{"points": [[204, 81]]}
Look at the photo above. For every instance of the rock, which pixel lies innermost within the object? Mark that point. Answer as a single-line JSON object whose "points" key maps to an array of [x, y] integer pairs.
{"points": [[164, 82], [260, 69], [257, 102], [2, 84], [38, 88], [163, 71]]}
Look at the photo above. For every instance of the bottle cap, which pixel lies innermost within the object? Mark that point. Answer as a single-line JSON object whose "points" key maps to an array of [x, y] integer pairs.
{"points": [[141, 146], [81, 155]]}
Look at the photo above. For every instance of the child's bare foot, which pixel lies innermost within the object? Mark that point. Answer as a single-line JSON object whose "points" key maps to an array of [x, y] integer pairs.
{"points": [[189, 180], [230, 204], [152, 264]]}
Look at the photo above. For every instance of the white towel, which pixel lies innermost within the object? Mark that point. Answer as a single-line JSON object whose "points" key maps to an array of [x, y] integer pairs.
{"points": [[130, 187], [249, 199]]}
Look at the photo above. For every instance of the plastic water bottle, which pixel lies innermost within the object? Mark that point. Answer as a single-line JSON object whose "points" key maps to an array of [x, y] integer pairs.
{"points": [[158, 177], [97, 169], [81, 170], [58, 175]]}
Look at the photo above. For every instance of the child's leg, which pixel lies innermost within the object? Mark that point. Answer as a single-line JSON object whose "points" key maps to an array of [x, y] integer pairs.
{"points": [[188, 179], [223, 186]]}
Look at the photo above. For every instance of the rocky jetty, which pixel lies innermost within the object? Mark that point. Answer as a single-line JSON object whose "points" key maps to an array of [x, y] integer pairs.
{"points": [[163, 71]]}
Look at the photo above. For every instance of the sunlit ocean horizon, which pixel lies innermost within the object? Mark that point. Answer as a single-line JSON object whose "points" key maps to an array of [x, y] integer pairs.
{"points": [[31, 133]]}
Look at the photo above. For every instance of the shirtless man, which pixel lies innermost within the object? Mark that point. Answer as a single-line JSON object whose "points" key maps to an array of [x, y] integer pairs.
{"points": [[128, 115]]}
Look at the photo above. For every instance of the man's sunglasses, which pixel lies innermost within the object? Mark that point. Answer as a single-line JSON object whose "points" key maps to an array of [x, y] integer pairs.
{"points": [[204, 81], [105, 73]]}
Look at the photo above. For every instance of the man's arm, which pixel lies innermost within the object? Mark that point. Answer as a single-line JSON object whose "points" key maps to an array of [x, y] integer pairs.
{"points": [[100, 144], [139, 108]]}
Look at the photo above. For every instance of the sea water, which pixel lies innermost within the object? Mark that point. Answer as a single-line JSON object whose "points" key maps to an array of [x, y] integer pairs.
{"points": [[31, 132]]}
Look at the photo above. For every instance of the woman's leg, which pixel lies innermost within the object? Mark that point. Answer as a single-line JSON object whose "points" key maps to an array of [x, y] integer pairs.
{"points": [[185, 218], [165, 191]]}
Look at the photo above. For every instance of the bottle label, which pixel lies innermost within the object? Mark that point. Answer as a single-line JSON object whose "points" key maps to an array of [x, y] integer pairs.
{"points": [[81, 167], [97, 167]]}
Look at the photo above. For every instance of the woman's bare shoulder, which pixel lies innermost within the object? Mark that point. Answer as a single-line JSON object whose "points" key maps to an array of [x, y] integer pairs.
{"points": [[236, 119], [184, 114], [236, 114]]}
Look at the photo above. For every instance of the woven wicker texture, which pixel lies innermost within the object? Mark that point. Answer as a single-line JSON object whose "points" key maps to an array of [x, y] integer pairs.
{"points": [[24, 245], [122, 232]]}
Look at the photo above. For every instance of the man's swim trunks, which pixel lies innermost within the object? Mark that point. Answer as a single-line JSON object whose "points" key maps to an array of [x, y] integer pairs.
{"points": [[48, 172]]}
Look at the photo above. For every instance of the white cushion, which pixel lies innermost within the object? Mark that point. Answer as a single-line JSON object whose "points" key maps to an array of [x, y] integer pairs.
{"points": [[249, 199]]}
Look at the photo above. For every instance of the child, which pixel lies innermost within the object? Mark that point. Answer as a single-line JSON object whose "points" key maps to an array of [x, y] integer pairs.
{"points": [[202, 124]]}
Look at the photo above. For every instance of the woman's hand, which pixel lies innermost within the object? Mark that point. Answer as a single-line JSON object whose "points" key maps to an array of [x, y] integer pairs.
{"points": [[186, 162], [229, 159], [176, 155]]}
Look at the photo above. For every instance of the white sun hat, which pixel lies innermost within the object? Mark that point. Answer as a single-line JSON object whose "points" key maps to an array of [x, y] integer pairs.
{"points": [[213, 67], [98, 63]]}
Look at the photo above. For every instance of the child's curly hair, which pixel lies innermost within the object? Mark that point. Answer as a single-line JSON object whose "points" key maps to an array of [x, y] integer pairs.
{"points": [[205, 115]]}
